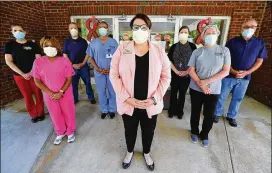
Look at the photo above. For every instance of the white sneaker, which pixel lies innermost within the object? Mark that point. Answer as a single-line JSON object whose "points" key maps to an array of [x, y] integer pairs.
{"points": [[58, 139], [71, 138], [148, 159]]}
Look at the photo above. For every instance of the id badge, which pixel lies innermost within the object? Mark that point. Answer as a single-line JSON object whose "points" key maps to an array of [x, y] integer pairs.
{"points": [[108, 56]]}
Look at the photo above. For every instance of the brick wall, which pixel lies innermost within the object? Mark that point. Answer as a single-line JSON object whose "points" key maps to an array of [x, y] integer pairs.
{"points": [[31, 16], [260, 87], [57, 14]]}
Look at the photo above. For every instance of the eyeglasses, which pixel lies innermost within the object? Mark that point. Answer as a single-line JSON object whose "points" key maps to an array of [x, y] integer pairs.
{"points": [[143, 27], [252, 27]]}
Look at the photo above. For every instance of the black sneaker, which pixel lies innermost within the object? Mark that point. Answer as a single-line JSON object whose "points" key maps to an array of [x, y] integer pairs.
{"points": [[180, 116], [103, 115], [112, 115], [216, 119], [34, 120], [41, 118], [232, 122], [170, 115], [93, 101]]}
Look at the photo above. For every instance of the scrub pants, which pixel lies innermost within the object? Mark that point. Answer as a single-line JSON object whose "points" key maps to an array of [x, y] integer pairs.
{"points": [[103, 85], [27, 88], [62, 113]]}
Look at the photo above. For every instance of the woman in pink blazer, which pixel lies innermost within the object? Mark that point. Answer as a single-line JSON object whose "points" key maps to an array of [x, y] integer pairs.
{"points": [[140, 74]]}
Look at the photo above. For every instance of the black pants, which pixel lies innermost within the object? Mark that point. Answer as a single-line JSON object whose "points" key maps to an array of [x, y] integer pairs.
{"points": [[197, 100], [147, 126], [178, 85]]}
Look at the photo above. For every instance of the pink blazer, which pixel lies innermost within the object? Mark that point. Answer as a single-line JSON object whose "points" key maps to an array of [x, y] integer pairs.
{"points": [[122, 73]]}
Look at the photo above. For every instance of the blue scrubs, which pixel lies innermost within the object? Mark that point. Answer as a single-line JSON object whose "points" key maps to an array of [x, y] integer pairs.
{"points": [[76, 51], [102, 54]]}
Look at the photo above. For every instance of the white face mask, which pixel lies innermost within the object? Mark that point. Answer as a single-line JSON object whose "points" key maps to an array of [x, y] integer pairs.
{"points": [[74, 32], [183, 37], [140, 36], [50, 51]]}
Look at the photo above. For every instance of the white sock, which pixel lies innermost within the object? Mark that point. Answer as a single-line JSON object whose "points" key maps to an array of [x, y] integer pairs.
{"points": [[128, 157], [148, 159]]}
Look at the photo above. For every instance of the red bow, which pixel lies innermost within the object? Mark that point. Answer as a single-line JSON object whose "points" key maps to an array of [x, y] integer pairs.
{"points": [[91, 25]]}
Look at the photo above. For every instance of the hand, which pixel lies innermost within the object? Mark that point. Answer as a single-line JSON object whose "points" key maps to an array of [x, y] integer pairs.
{"points": [[76, 66], [135, 103], [241, 74], [27, 76], [106, 71], [103, 71], [202, 83], [206, 90], [183, 73], [56, 96], [147, 102]]}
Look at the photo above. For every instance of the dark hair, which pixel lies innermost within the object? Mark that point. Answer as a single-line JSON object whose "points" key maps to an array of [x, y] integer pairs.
{"points": [[102, 21], [184, 27], [142, 16], [16, 25]]}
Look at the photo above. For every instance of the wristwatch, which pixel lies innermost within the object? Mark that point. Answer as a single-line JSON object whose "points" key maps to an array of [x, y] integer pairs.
{"points": [[154, 101], [61, 91]]}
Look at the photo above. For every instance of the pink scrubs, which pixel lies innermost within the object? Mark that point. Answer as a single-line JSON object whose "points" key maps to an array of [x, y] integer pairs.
{"points": [[54, 75]]}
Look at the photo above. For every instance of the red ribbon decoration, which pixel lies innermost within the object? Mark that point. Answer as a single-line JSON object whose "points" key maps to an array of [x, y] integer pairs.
{"points": [[92, 31], [200, 26]]}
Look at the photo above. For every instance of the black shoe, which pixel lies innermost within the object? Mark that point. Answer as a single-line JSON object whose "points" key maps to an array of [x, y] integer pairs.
{"points": [[93, 101], [34, 120], [180, 116], [103, 115], [112, 115], [170, 115], [150, 167], [232, 122], [126, 165], [76, 101], [41, 118], [216, 119]]}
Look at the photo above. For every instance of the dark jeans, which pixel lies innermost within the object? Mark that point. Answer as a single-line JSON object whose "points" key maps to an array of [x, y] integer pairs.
{"points": [[84, 74], [178, 85], [147, 126], [197, 100]]}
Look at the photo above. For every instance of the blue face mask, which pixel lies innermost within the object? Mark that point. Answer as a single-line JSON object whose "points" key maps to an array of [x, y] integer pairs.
{"points": [[19, 35], [102, 31], [210, 39], [248, 32]]}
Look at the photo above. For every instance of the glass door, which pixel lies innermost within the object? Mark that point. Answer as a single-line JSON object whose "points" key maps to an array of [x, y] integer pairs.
{"points": [[163, 32], [81, 23]]}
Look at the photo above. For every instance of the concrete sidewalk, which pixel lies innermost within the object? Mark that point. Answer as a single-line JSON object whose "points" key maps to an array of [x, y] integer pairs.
{"points": [[100, 145], [21, 140]]}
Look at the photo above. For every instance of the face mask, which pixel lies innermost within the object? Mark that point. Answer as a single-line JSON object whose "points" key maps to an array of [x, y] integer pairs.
{"points": [[50, 51], [19, 35], [210, 39], [140, 36], [74, 32], [103, 31], [248, 32], [183, 37]]}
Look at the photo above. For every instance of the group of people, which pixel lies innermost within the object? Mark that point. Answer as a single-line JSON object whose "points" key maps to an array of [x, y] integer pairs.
{"points": [[132, 78]]}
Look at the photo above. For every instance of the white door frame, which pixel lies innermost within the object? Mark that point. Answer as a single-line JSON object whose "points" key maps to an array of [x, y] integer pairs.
{"points": [[225, 29]]}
